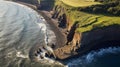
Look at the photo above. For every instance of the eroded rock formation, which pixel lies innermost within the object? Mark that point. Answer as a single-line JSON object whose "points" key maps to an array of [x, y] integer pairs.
{"points": [[79, 43], [92, 40]]}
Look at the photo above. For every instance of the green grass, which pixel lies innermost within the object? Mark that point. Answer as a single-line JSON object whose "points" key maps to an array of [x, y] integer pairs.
{"points": [[87, 21], [101, 21], [79, 3]]}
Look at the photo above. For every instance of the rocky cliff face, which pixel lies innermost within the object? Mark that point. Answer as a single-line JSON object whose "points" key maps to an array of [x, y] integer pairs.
{"points": [[64, 22], [92, 40], [101, 38], [79, 43], [73, 37], [59, 13]]}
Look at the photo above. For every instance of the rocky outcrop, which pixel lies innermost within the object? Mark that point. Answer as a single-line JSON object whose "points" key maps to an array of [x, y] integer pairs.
{"points": [[56, 11], [92, 40], [80, 43], [72, 44], [59, 13], [71, 34], [73, 37]]}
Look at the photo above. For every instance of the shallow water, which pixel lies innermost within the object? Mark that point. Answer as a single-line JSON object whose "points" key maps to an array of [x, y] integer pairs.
{"points": [[21, 28]]}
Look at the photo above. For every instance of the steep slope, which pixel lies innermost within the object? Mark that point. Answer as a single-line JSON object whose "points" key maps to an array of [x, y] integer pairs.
{"points": [[86, 28], [85, 31]]}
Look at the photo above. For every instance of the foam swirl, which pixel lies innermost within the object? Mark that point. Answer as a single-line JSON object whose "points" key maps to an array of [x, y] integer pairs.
{"points": [[21, 30]]}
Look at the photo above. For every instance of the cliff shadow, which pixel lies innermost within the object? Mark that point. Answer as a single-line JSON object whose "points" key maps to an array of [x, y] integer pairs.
{"points": [[46, 5], [72, 32], [100, 38]]}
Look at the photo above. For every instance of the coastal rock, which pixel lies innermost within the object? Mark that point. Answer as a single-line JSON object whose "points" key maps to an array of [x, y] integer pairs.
{"points": [[91, 40], [102, 37], [80, 43]]}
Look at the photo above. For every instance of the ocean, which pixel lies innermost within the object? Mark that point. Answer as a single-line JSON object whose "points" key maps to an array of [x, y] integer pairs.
{"points": [[22, 29], [106, 57]]}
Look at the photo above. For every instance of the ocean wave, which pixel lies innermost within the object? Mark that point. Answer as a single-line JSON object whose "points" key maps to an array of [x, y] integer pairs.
{"points": [[21, 29], [93, 57]]}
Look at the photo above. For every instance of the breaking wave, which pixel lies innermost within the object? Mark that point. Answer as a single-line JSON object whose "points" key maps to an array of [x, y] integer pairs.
{"points": [[106, 57], [21, 28]]}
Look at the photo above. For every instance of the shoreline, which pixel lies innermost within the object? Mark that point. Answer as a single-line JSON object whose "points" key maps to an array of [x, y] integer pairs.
{"points": [[60, 37]]}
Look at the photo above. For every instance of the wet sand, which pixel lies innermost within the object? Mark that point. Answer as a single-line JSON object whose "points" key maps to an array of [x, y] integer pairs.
{"points": [[60, 37]]}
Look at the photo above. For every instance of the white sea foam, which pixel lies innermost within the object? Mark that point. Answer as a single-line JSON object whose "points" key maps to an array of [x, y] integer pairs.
{"points": [[19, 54], [18, 23], [20, 29], [91, 57]]}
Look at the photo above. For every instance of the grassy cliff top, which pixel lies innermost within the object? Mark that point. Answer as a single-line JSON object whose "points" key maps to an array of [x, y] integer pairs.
{"points": [[87, 21], [79, 3]]}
